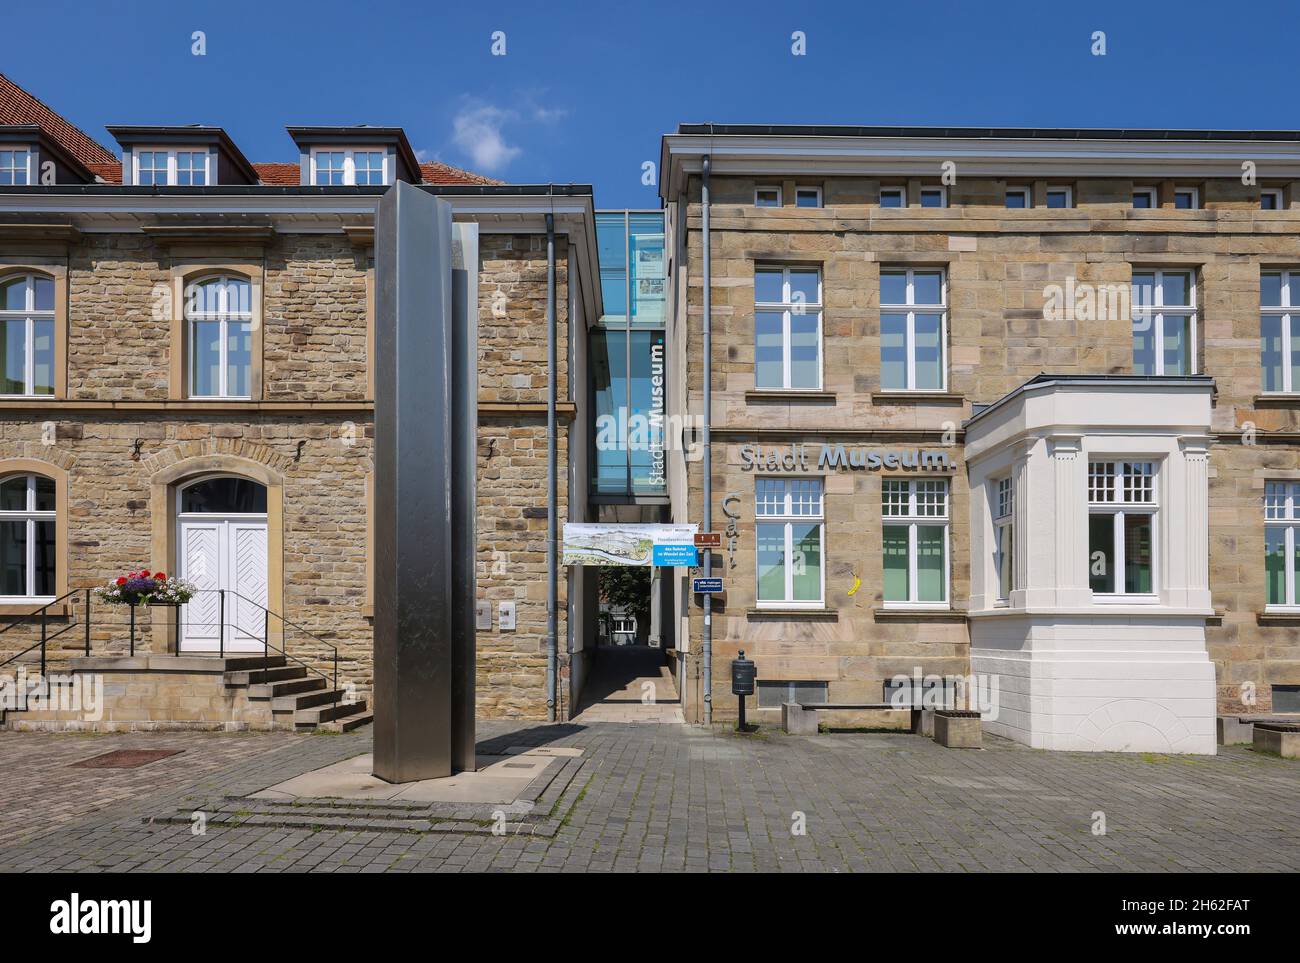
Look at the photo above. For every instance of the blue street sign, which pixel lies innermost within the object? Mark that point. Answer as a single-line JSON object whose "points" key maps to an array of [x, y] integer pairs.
{"points": [[706, 586], [675, 555]]}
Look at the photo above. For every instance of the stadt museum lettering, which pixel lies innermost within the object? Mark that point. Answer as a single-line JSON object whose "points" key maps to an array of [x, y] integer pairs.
{"points": [[841, 457]]}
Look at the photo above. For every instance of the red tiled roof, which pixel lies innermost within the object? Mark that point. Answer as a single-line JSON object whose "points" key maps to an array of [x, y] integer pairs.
{"points": [[436, 172], [109, 173], [17, 106], [280, 175]]}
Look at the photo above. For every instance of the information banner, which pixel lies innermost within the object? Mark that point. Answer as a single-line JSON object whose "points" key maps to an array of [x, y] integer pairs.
{"points": [[588, 543]]}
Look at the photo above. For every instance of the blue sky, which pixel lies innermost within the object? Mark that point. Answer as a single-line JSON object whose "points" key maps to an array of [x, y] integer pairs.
{"points": [[585, 90]]}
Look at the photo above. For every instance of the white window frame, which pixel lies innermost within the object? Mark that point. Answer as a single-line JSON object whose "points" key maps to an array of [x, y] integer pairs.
{"points": [[1278, 195], [1069, 195], [788, 309], [930, 188], [1290, 315], [172, 165], [788, 515], [815, 191], [349, 164], [1004, 511], [1195, 192], [914, 520], [1282, 510], [892, 189], [759, 189], [30, 315], [623, 626], [27, 164], [1158, 309], [1118, 505], [224, 315], [1152, 195], [912, 309], [31, 516], [1024, 192]]}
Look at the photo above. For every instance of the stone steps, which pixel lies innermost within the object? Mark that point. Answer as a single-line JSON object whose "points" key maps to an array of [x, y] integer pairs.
{"points": [[313, 717]]}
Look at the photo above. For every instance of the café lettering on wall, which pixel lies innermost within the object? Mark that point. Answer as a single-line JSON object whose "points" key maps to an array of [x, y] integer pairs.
{"points": [[790, 458]]}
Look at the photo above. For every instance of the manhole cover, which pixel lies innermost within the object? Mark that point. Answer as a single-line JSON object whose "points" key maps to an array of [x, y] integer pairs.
{"points": [[126, 758]]}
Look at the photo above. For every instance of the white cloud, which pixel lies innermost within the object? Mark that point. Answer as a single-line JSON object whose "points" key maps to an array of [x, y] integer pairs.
{"points": [[477, 130]]}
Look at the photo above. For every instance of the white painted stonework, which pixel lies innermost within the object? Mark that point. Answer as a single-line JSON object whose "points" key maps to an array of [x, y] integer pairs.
{"points": [[1077, 670]]}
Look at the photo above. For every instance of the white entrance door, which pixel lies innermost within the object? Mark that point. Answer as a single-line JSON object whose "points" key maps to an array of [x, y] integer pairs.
{"points": [[223, 552]]}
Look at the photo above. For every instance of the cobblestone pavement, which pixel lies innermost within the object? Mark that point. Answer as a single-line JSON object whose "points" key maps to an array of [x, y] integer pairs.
{"points": [[663, 797]]}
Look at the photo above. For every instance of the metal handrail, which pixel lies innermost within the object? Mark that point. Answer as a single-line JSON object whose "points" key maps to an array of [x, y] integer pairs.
{"points": [[267, 647], [43, 612], [222, 625]]}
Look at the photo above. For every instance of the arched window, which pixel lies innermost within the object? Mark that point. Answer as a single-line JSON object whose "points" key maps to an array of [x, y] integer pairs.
{"points": [[27, 339], [219, 318], [27, 537], [224, 495]]}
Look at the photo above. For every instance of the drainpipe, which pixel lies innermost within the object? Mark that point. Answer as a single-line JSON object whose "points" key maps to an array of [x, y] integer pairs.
{"points": [[706, 653], [552, 570]]}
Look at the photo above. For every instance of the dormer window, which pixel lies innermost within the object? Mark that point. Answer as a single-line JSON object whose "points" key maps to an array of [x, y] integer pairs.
{"points": [[15, 165], [171, 168], [336, 167]]}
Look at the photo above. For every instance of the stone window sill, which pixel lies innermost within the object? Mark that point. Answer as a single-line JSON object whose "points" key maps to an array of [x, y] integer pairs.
{"points": [[820, 615], [60, 610], [1278, 400], [916, 398], [771, 394], [883, 614], [1278, 618]]}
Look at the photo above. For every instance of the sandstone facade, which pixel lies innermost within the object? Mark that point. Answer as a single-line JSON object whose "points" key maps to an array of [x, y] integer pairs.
{"points": [[999, 265], [123, 424]]}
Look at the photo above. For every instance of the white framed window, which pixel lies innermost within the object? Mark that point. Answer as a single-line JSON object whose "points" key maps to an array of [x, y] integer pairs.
{"points": [[893, 197], [1279, 330], [1122, 507], [1004, 536], [787, 327], [1281, 543], [27, 320], [219, 323], [625, 627], [767, 197], [913, 329], [1144, 197], [1060, 195], [914, 533], [807, 197], [348, 166], [1187, 198], [1018, 198], [789, 532], [16, 166], [27, 538], [934, 196], [1164, 322], [166, 167], [1270, 199]]}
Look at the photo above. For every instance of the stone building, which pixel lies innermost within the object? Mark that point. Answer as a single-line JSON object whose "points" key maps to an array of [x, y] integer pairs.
{"points": [[190, 389], [878, 289]]}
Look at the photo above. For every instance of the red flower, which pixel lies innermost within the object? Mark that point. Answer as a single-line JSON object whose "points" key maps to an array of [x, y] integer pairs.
{"points": [[144, 573], [160, 576], [121, 581]]}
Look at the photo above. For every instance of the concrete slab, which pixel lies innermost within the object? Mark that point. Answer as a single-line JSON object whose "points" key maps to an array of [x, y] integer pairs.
{"points": [[498, 779]]}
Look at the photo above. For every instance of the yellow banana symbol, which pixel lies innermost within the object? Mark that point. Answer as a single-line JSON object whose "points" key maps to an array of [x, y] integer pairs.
{"points": [[857, 583]]}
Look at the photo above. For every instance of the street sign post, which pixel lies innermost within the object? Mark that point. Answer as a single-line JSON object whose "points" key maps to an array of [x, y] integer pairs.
{"points": [[708, 540], [707, 586]]}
